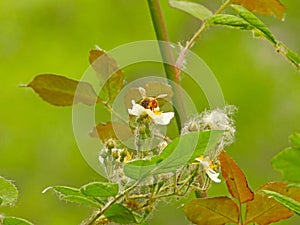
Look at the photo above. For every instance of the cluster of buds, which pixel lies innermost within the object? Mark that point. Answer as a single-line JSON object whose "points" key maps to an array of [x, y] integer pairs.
{"points": [[114, 159], [145, 116]]}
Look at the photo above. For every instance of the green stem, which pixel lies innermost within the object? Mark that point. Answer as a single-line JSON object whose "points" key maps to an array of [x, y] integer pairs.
{"points": [[166, 52], [98, 214], [110, 109]]}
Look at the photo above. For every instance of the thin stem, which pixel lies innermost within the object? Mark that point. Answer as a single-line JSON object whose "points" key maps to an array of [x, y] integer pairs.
{"points": [[195, 37], [165, 138], [241, 214], [97, 215], [110, 109], [169, 65]]}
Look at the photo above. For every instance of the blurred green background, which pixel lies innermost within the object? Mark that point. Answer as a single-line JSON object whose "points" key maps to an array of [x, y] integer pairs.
{"points": [[37, 146]]}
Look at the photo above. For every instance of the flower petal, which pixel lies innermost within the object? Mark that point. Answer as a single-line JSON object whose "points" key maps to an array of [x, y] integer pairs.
{"points": [[213, 175], [136, 109], [162, 118]]}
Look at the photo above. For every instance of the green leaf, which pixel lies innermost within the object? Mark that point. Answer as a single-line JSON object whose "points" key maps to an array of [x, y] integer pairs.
{"points": [[197, 10], [75, 195], [293, 57], [15, 221], [111, 77], [100, 189], [255, 22], [289, 203], [176, 154], [295, 140], [216, 211], [287, 162], [62, 91], [293, 186], [139, 169], [64, 190], [230, 21], [8, 192], [81, 200], [119, 214]]}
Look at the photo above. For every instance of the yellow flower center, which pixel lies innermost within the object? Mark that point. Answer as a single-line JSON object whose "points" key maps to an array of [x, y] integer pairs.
{"points": [[157, 112]]}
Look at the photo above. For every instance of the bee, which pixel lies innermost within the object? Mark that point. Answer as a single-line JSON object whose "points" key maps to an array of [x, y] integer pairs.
{"points": [[149, 102]]}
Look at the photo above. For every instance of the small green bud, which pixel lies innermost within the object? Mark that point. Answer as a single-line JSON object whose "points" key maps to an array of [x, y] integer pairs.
{"points": [[110, 144], [115, 154]]}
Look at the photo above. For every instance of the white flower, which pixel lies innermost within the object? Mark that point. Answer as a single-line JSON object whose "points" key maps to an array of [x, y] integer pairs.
{"points": [[208, 168], [157, 116]]}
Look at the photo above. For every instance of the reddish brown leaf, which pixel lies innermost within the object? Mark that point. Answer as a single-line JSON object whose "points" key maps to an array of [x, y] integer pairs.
{"points": [[62, 91], [266, 7], [114, 130], [265, 210], [235, 179], [208, 211], [111, 77], [105, 65]]}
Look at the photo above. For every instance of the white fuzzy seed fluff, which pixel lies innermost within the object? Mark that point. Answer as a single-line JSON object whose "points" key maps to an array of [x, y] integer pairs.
{"points": [[216, 119]]}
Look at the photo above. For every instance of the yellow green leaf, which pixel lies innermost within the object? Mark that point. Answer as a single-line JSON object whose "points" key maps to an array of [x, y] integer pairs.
{"points": [[261, 29], [100, 189], [295, 140], [216, 211], [195, 9], [8, 192], [62, 91], [230, 21], [120, 214], [15, 221], [265, 7], [82, 200]]}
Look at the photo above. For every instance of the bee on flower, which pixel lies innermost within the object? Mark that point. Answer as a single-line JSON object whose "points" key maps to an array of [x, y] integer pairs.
{"points": [[149, 107]]}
